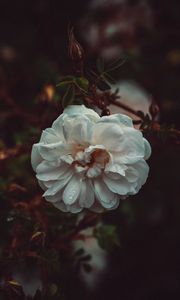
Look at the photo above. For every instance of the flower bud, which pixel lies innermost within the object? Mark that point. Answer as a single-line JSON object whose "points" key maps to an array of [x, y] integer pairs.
{"points": [[76, 53], [154, 110]]}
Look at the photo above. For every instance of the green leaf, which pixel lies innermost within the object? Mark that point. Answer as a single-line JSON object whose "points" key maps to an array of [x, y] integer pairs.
{"points": [[82, 83], [107, 77], [116, 64], [65, 80], [103, 86], [107, 236], [69, 96], [64, 83]]}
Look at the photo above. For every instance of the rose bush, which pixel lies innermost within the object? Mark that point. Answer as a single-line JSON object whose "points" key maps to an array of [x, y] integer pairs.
{"points": [[88, 161]]}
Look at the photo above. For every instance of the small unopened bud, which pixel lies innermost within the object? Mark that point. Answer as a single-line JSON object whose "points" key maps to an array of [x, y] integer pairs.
{"points": [[76, 53], [154, 110]]}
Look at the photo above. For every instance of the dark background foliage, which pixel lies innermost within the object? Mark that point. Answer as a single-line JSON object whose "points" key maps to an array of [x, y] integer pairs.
{"points": [[33, 52]]}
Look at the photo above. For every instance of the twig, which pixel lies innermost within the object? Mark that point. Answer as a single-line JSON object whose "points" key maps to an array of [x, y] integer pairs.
{"points": [[127, 108]]}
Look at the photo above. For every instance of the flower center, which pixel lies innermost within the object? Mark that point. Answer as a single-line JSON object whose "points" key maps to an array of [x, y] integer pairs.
{"points": [[100, 156], [91, 160]]}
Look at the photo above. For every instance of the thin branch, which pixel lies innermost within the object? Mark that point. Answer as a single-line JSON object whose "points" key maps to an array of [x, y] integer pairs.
{"points": [[127, 108]]}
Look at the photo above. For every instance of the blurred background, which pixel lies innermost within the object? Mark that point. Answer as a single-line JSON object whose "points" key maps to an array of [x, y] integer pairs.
{"points": [[33, 54]]}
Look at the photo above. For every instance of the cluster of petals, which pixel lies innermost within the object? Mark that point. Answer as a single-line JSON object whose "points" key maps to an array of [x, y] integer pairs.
{"points": [[88, 161]]}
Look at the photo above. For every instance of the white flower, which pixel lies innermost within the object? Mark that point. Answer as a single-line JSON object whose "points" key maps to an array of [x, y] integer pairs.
{"points": [[87, 161]]}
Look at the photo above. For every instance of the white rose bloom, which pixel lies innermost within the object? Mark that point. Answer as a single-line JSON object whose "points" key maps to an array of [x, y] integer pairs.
{"points": [[88, 161]]}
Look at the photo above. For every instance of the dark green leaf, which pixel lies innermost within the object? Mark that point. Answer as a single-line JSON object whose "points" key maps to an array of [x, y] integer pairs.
{"points": [[109, 78], [107, 236], [65, 78], [116, 64], [63, 84], [103, 86], [100, 65], [82, 83]]}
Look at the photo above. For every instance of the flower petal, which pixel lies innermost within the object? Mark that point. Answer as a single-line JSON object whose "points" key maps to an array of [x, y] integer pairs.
{"points": [[97, 207], [36, 158], [107, 198], [74, 110], [75, 208], [50, 136], [147, 149], [53, 151], [48, 170], [60, 205], [82, 196], [54, 198], [72, 190], [95, 171], [121, 187], [132, 174], [67, 158], [86, 198], [45, 185], [107, 134], [115, 168], [125, 143], [115, 204], [89, 194], [42, 185], [77, 130], [131, 148], [57, 186], [143, 169], [58, 126], [120, 119]]}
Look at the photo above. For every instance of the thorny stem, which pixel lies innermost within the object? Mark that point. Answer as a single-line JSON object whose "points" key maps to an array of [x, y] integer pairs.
{"points": [[127, 108], [115, 102], [155, 125]]}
